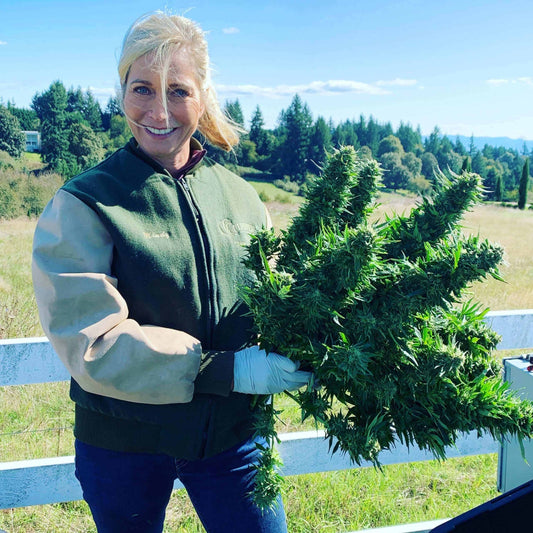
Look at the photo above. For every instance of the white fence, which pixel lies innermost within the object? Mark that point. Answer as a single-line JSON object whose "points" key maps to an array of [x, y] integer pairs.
{"points": [[51, 480]]}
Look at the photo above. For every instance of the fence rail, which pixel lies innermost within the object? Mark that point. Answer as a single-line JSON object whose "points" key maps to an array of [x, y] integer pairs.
{"points": [[52, 480]]}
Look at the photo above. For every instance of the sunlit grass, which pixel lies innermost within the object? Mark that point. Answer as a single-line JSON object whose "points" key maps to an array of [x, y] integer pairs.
{"points": [[282, 206], [18, 312]]}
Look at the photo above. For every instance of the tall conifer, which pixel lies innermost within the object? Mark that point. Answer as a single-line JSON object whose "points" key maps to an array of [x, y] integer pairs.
{"points": [[524, 184], [51, 108], [296, 123]]}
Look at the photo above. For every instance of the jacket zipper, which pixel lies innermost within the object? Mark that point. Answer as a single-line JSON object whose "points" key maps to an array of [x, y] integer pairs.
{"points": [[195, 210], [211, 296], [206, 253]]}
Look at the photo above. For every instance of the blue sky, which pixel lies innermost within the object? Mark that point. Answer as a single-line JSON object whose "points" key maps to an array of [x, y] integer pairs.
{"points": [[465, 66]]}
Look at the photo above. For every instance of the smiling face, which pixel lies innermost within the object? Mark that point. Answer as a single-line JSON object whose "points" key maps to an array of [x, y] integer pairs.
{"points": [[163, 134]]}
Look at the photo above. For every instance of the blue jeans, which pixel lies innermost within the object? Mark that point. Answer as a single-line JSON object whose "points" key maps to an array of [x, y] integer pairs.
{"points": [[129, 492]]}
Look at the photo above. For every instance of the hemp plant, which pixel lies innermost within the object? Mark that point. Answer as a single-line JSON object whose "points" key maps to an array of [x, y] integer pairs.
{"points": [[377, 311]]}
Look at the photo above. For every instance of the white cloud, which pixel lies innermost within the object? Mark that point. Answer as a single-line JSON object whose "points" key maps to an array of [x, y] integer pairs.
{"points": [[102, 94], [2, 42], [497, 82], [341, 86], [231, 30], [102, 90], [524, 79], [314, 87], [399, 82]]}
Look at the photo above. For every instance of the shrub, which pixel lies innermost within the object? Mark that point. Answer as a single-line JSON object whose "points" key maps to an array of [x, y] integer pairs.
{"points": [[287, 185], [6, 161], [264, 197], [419, 185], [8, 201], [24, 194], [12, 139]]}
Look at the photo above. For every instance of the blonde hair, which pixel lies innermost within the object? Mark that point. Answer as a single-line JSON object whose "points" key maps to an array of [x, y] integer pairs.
{"points": [[162, 34]]}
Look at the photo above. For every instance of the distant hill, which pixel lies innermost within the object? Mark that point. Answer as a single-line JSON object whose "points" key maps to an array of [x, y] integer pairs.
{"points": [[480, 142]]}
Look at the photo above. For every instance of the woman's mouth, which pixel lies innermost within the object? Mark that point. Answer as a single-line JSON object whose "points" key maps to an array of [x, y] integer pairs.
{"points": [[157, 131]]}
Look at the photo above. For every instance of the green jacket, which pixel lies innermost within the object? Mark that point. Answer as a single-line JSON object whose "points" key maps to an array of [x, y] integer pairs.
{"points": [[136, 277]]}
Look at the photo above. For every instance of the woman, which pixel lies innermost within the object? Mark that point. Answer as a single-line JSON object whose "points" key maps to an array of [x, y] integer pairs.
{"points": [[136, 265]]}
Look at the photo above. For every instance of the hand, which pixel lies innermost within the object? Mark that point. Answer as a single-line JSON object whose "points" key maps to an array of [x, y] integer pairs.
{"points": [[256, 372]]}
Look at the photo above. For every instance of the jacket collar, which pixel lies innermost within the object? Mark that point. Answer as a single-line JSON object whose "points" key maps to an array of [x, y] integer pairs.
{"points": [[197, 153]]}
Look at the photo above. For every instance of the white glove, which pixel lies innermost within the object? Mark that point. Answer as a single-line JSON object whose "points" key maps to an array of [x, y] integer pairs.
{"points": [[256, 372]]}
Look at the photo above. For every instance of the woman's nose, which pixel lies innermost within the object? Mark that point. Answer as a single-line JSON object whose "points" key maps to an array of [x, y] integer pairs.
{"points": [[157, 110]]}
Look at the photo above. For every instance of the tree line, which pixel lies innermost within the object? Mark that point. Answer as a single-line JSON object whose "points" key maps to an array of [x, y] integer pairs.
{"points": [[76, 133]]}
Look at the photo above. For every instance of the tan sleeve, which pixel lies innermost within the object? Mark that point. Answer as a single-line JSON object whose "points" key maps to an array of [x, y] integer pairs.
{"points": [[86, 318], [269, 219]]}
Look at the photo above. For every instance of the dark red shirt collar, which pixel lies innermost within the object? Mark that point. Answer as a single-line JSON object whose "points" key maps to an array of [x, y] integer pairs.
{"points": [[197, 153]]}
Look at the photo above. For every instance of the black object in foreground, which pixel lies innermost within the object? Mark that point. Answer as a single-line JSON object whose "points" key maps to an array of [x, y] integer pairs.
{"points": [[506, 513]]}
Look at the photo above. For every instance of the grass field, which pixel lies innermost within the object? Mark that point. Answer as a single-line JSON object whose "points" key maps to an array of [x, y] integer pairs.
{"points": [[36, 420]]}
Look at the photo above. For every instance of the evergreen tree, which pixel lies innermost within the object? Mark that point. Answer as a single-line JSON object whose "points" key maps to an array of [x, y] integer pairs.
{"points": [[113, 108], [51, 108], [491, 183], [479, 165], [320, 144], [258, 134], [385, 130], [234, 111], [83, 107], [459, 147], [467, 165], [524, 185], [488, 151], [295, 123], [92, 112], [75, 101], [12, 139], [432, 143], [472, 147], [446, 157], [498, 189], [345, 134], [409, 138], [28, 119], [85, 146], [373, 135], [361, 131]]}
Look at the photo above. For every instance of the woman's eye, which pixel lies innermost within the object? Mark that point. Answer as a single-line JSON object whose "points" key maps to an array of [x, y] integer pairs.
{"points": [[141, 90], [179, 93]]}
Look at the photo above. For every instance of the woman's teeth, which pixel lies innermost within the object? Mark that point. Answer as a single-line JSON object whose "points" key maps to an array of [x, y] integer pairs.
{"points": [[159, 132]]}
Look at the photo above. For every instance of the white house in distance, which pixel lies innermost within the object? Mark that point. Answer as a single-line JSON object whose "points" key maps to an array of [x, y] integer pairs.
{"points": [[33, 141]]}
